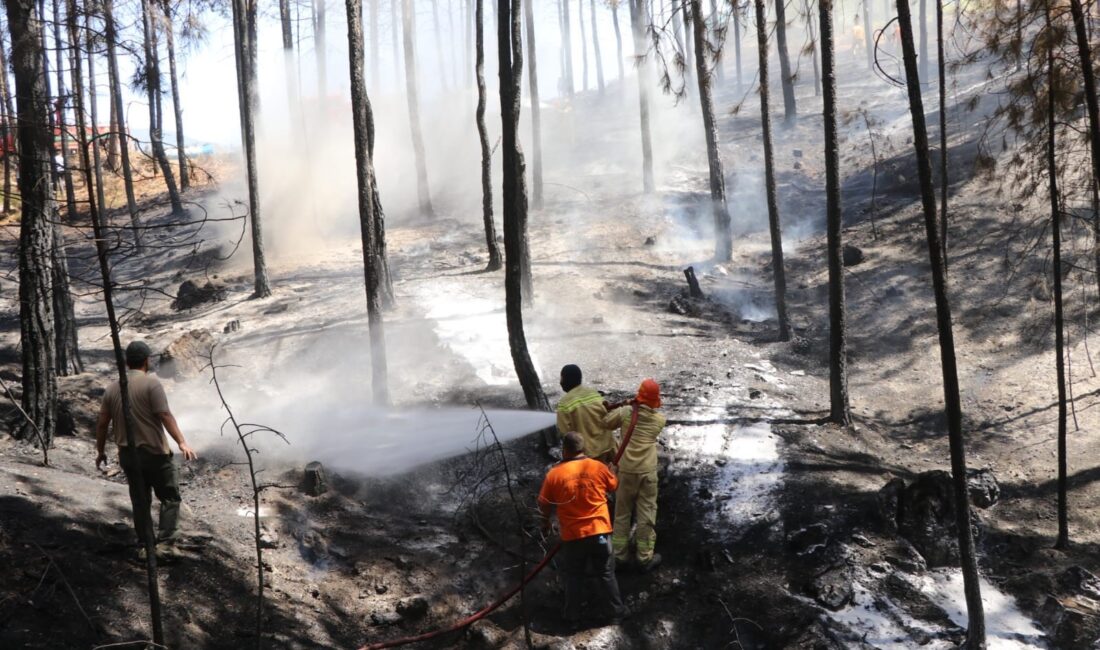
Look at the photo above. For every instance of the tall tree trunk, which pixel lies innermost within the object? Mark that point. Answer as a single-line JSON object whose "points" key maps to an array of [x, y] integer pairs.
{"points": [[567, 46], [177, 106], [1092, 108], [976, 618], [786, 77], [290, 72], [942, 66], [111, 35], [723, 237], [59, 117], [113, 162], [774, 228], [595, 48], [536, 106], [923, 42], [584, 46], [439, 45], [510, 55], [868, 40], [813, 46], [93, 104], [685, 8], [715, 20], [6, 127], [152, 85], [639, 22], [737, 39], [483, 135], [364, 168], [409, 28], [618, 36], [839, 410], [244, 28], [319, 47], [39, 205], [1062, 541]]}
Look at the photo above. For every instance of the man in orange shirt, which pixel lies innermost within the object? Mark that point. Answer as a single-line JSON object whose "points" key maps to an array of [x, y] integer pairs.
{"points": [[578, 487]]}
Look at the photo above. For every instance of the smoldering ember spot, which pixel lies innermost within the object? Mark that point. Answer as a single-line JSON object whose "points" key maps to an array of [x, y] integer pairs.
{"points": [[594, 324]]}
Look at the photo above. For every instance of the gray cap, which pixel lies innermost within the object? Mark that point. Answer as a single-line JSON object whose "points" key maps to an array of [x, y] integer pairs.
{"points": [[137, 352]]}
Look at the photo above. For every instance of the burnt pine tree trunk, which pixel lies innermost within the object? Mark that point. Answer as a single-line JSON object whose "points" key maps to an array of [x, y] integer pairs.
{"points": [[1092, 106], [813, 47], [381, 256], [244, 18], [111, 35], [786, 77], [36, 320], [177, 107], [152, 86], [510, 55], [639, 23], [408, 26], [618, 36], [483, 136], [976, 619], [102, 256], [839, 410], [723, 238], [688, 57], [715, 18], [567, 45], [584, 46], [536, 108], [113, 161], [942, 66], [319, 48], [595, 48], [364, 169], [58, 116], [776, 231], [1059, 318], [7, 114], [93, 105]]}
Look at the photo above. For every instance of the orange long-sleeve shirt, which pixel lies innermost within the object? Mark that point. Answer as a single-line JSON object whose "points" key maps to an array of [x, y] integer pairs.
{"points": [[578, 488]]}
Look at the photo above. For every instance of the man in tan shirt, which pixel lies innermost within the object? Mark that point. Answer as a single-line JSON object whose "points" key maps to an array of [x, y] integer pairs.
{"points": [[636, 498], [152, 458], [582, 409]]}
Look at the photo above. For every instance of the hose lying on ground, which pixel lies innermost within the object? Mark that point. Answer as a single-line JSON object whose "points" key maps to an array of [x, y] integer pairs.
{"points": [[482, 613]]}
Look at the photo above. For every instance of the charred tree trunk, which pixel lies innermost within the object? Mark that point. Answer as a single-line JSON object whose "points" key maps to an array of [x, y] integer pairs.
{"points": [[618, 37], [942, 66], [319, 46], [723, 237], [688, 39], [111, 35], [59, 117], [774, 228], [152, 86], [244, 28], [408, 26], [839, 410], [715, 19], [93, 104], [536, 107], [639, 23], [483, 135], [976, 618], [177, 107], [6, 131], [567, 46], [1092, 105], [584, 46], [786, 77], [364, 168], [290, 73], [1062, 541], [510, 55], [595, 48], [36, 318], [868, 39], [813, 47]]}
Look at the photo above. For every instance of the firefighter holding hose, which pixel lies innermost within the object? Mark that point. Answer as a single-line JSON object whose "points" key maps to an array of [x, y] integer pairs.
{"points": [[577, 488], [636, 498], [582, 409]]}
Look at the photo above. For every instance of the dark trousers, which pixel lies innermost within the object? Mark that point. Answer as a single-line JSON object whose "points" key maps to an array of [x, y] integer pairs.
{"points": [[585, 559], [159, 475]]}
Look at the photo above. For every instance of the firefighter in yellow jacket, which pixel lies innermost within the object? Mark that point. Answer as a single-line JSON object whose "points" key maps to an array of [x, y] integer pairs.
{"points": [[636, 498], [582, 409]]}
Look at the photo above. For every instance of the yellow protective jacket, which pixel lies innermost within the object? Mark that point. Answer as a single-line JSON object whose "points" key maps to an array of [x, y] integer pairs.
{"points": [[640, 456], [582, 410]]}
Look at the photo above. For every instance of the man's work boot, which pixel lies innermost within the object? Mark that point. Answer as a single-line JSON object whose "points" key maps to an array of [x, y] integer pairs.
{"points": [[652, 564]]}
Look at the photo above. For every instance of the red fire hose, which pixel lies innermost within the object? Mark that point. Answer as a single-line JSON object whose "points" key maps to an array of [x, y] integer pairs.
{"points": [[482, 613]]}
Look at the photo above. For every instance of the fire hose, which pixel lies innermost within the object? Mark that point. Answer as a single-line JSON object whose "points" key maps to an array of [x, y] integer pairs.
{"points": [[482, 613]]}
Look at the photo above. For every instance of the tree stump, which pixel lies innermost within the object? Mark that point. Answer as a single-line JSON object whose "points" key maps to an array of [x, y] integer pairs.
{"points": [[314, 482], [694, 290]]}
